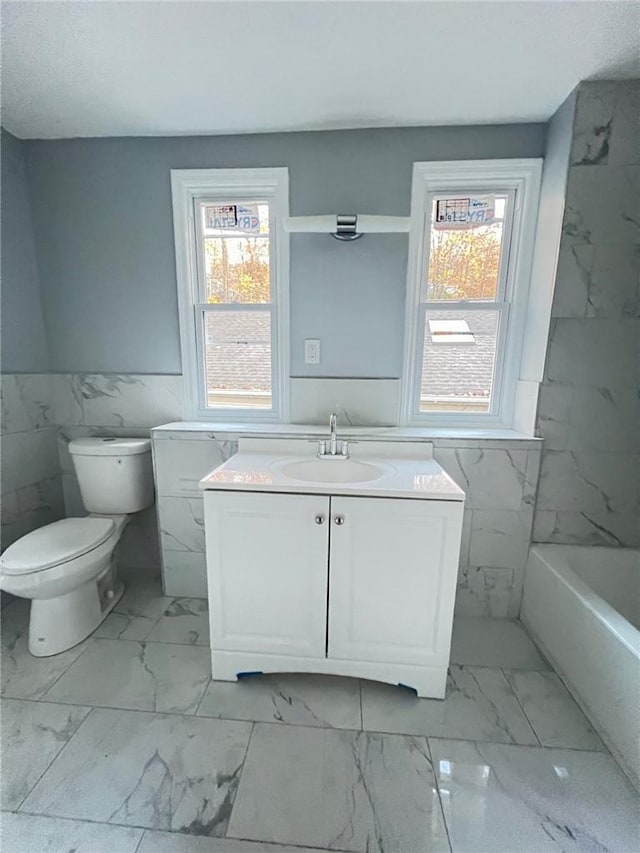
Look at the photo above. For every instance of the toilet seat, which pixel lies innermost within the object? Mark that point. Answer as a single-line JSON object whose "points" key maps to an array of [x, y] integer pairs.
{"points": [[55, 544]]}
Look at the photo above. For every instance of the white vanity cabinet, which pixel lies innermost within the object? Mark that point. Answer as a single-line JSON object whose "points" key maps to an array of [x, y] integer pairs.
{"points": [[350, 585], [267, 572], [392, 578]]}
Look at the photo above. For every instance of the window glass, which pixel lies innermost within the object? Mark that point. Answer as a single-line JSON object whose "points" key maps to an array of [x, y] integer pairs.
{"points": [[238, 358], [236, 251], [459, 361], [465, 247]]}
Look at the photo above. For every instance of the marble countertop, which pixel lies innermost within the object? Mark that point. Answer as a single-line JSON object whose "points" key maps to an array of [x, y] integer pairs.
{"points": [[408, 470], [393, 433], [442, 437]]}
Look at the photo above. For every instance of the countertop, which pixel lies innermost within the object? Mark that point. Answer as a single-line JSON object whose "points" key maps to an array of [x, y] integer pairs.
{"points": [[408, 470], [386, 433]]}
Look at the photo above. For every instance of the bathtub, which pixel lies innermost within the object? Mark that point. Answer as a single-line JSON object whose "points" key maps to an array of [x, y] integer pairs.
{"points": [[581, 604]]}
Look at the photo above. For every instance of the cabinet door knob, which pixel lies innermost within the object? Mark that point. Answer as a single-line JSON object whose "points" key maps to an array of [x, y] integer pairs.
{"points": [[339, 519], [319, 519]]}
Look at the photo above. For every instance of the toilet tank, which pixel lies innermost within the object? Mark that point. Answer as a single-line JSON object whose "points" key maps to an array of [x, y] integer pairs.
{"points": [[115, 475]]}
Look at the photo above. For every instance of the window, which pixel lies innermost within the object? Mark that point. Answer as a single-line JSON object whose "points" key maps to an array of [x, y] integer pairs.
{"points": [[232, 264], [470, 253]]}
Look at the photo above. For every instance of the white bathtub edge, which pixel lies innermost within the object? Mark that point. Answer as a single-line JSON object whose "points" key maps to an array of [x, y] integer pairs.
{"points": [[597, 605], [572, 625]]}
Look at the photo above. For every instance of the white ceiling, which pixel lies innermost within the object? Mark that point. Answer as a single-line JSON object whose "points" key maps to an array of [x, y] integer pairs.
{"points": [[164, 67]]}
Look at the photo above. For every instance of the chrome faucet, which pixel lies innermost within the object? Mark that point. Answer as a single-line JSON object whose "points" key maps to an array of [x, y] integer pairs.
{"points": [[333, 423], [337, 449]]}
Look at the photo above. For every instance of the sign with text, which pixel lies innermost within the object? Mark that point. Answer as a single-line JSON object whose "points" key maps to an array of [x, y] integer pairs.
{"points": [[232, 217], [463, 213]]}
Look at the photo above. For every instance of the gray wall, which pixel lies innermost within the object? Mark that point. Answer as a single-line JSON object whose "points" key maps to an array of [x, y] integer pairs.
{"points": [[24, 346], [103, 226], [589, 412], [29, 469]]}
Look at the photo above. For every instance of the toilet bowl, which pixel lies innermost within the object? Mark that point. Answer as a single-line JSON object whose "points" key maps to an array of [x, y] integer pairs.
{"points": [[68, 568]]}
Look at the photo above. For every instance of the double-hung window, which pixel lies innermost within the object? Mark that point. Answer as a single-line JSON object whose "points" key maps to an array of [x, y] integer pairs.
{"points": [[232, 266], [470, 255]]}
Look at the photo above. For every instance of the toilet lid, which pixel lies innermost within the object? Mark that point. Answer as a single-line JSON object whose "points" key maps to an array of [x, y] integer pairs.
{"points": [[54, 544]]}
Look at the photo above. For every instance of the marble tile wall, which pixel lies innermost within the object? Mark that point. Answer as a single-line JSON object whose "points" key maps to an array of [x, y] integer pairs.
{"points": [[500, 479], [357, 402], [500, 484], [181, 459], [30, 472], [589, 410], [116, 400]]}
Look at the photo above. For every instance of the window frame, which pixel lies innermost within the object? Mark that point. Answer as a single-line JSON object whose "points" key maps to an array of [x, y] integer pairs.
{"points": [[190, 187], [517, 177]]}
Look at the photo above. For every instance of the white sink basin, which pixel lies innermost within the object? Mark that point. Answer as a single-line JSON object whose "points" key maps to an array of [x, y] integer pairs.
{"points": [[331, 471], [393, 469]]}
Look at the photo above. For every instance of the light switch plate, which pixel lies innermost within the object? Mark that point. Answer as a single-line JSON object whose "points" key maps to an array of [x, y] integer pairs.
{"points": [[312, 351]]}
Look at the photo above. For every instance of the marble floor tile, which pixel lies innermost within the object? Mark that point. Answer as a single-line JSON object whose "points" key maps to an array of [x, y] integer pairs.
{"points": [[185, 620], [22, 833], [140, 676], [33, 733], [147, 770], [154, 841], [303, 700], [479, 705], [136, 613], [554, 715], [335, 789], [23, 676], [529, 799], [501, 643]]}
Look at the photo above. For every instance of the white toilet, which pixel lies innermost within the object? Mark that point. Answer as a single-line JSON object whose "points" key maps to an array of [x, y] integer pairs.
{"points": [[68, 568]]}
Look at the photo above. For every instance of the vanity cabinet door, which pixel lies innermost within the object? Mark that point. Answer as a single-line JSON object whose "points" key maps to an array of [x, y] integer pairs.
{"points": [[392, 579], [267, 572]]}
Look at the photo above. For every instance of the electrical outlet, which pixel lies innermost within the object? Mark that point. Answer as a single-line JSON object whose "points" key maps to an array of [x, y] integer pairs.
{"points": [[312, 351]]}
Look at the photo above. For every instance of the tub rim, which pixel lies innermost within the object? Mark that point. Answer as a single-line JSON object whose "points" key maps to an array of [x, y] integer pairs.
{"points": [[623, 629]]}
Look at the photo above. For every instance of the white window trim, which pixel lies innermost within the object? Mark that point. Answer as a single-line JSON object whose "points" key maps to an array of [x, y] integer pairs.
{"points": [[187, 187], [522, 175]]}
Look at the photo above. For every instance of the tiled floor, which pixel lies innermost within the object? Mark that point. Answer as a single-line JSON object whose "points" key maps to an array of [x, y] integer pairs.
{"points": [[124, 745]]}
